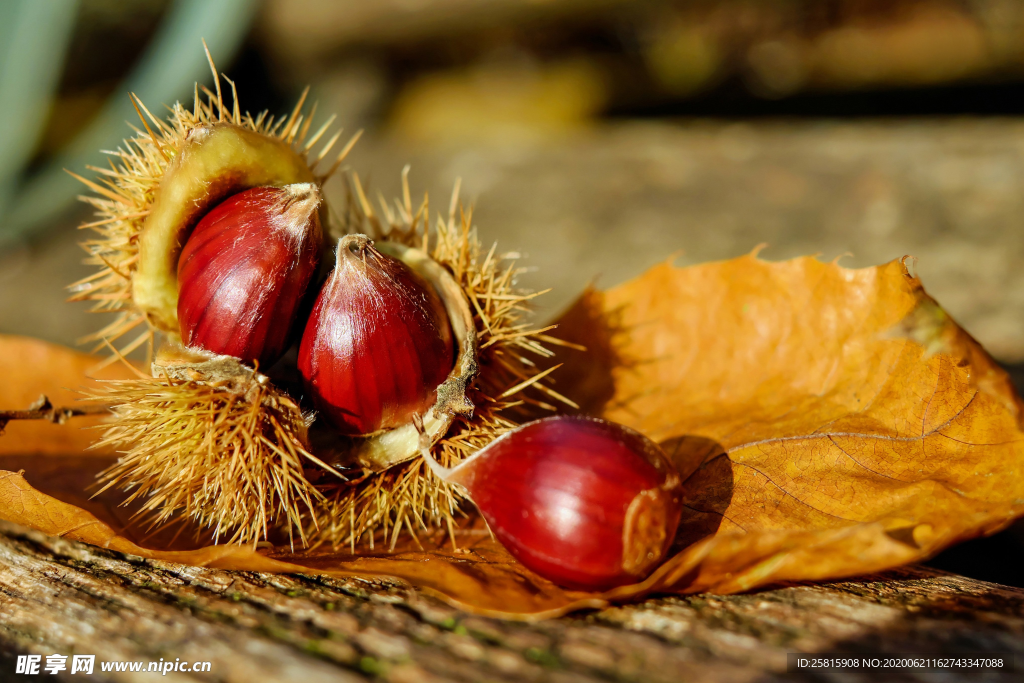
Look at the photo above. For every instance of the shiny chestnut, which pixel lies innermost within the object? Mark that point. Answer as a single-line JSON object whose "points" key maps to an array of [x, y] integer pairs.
{"points": [[585, 503], [377, 344], [245, 270]]}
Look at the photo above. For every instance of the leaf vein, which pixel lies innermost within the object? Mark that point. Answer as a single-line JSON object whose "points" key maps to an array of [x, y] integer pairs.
{"points": [[843, 451], [829, 435], [802, 502]]}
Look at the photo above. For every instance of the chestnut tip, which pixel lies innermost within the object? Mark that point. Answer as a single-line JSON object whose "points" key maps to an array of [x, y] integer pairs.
{"points": [[356, 244], [301, 198]]}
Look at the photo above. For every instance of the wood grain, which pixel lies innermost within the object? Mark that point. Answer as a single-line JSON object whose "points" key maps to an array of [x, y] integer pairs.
{"points": [[62, 597]]}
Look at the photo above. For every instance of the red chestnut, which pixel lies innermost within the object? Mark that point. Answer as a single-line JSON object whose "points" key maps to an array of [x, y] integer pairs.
{"points": [[245, 269], [378, 343], [586, 503]]}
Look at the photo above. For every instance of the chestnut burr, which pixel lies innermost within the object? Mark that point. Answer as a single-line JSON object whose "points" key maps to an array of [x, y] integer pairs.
{"points": [[377, 344], [585, 503], [245, 270]]}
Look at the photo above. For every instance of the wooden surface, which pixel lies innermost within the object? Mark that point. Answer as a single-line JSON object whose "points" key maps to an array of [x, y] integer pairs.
{"points": [[58, 597]]}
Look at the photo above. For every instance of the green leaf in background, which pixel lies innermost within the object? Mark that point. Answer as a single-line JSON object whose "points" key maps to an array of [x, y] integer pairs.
{"points": [[33, 38]]}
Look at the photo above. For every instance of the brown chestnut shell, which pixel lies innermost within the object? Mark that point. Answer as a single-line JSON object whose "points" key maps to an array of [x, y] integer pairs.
{"points": [[377, 343], [245, 270], [396, 443], [586, 503]]}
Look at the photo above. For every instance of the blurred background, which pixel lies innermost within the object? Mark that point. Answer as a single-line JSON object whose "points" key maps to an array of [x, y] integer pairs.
{"points": [[596, 137]]}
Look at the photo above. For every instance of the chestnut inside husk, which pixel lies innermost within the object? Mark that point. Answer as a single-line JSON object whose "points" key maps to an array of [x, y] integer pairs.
{"points": [[385, 448], [245, 270]]}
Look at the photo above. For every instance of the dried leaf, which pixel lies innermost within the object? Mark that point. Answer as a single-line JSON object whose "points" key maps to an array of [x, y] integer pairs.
{"points": [[31, 368], [830, 422], [480, 577]]}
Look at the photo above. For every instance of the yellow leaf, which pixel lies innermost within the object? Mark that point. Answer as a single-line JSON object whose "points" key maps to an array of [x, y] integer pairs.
{"points": [[30, 368], [832, 421]]}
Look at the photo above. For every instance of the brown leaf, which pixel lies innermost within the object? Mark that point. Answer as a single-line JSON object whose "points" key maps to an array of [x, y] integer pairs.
{"points": [[830, 422], [30, 368], [480, 577]]}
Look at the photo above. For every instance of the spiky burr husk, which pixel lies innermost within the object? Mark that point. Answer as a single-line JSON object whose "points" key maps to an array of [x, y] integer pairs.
{"points": [[230, 460], [229, 451], [378, 507], [126, 190], [225, 452]]}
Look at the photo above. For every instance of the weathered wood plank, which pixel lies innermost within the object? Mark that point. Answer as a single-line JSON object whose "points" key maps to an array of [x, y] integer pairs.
{"points": [[59, 597]]}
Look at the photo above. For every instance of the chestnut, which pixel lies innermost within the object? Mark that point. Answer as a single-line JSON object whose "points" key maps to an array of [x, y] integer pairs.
{"points": [[214, 160], [583, 502], [377, 344], [245, 270]]}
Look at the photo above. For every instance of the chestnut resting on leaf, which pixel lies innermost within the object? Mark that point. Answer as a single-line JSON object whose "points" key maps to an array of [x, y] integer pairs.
{"points": [[587, 503]]}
